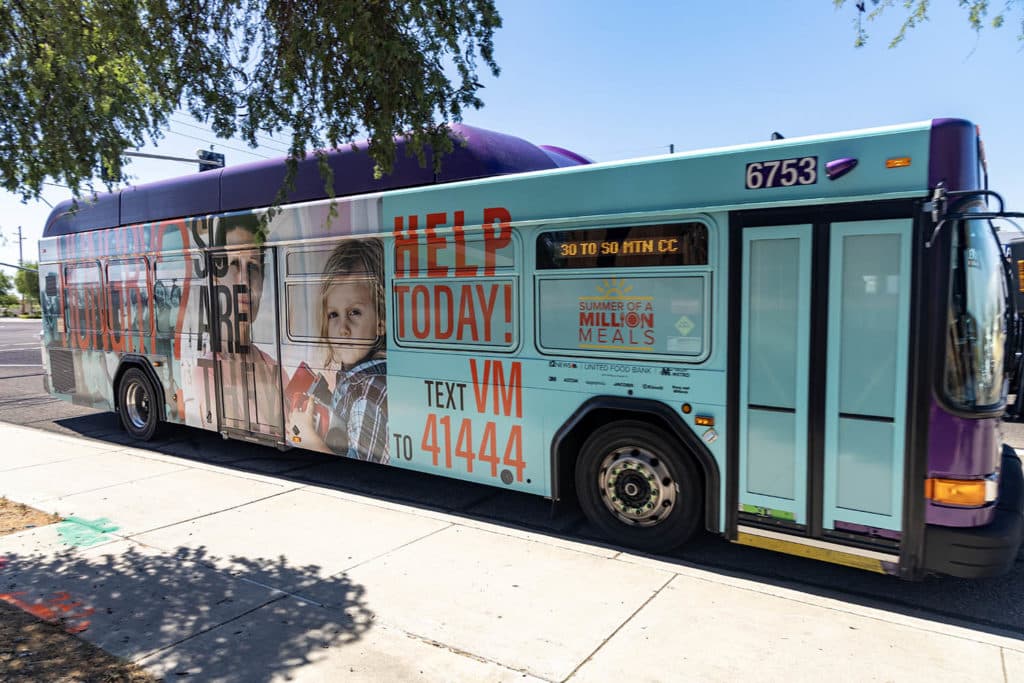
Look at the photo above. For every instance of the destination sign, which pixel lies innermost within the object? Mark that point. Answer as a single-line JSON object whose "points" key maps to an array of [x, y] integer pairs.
{"points": [[672, 244]]}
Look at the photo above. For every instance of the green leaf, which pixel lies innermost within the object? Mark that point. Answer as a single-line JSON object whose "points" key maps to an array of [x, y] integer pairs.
{"points": [[916, 11], [86, 80]]}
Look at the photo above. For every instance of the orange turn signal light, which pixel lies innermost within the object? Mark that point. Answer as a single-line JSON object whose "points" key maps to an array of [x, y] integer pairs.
{"points": [[963, 492], [897, 162], [703, 420]]}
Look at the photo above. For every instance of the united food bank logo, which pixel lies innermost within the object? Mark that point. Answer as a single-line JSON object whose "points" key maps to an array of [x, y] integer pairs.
{"points": [[616, 319]]}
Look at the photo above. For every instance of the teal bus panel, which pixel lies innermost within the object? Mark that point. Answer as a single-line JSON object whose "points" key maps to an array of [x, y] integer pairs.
{"points": [[865, 404], [774, 370]]}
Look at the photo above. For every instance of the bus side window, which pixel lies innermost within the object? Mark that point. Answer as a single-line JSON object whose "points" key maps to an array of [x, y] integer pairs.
{"points": [[169, 286], [49, 300], [128, 292], [460, 292], [304, 284], [83, 301], [643, 290]]}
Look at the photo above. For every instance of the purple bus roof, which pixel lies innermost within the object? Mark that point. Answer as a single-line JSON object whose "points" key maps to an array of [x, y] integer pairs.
{"points": [[478, 153]]}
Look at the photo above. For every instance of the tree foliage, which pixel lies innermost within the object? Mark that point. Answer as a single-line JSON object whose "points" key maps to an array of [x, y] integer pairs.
{"points": [[85, 80], [5, 284], [979, 15], [27, 281]]}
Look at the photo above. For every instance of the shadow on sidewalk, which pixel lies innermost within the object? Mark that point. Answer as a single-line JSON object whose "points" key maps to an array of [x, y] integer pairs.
{"points": [[395, 484], [178, 612], [989, 605]]}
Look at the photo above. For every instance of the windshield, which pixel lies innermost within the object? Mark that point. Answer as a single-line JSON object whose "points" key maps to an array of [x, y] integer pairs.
{"points": [[977, 318]]}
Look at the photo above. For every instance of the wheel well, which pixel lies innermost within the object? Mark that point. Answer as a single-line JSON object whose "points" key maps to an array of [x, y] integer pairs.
{"points": [[597, 412], [144, 365]]}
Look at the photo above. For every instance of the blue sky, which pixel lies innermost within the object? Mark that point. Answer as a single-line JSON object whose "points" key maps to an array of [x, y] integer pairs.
{"points": [[613, 83]]}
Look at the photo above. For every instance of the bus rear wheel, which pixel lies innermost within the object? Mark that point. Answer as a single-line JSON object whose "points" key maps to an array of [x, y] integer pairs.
{"points": [[138, 405], [638, 486]]}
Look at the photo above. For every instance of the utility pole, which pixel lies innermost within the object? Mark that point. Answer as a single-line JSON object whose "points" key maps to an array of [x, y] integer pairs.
{"points": [[21, 263]]}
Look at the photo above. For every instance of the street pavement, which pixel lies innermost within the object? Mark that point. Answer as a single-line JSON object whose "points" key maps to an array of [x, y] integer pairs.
{"points": [[198, 571]]}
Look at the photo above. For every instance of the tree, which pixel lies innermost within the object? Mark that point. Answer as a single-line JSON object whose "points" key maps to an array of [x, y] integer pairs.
{"points": [[5, 284], [27, 282], [917, 12], [85, 80]]}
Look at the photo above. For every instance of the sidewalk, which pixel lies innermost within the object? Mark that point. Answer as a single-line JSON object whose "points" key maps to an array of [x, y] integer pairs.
{"points": [[201, 572]]}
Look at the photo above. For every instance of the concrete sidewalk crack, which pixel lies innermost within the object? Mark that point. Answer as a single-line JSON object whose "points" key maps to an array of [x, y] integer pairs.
{"points": [[163, 648], [628, 619], [875, 607], [466, 653], [207, 514], [345, 570], [108, 486]]}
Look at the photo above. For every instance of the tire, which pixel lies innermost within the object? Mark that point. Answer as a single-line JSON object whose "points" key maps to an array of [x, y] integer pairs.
{"points": [[639, 486], [138, 405]]}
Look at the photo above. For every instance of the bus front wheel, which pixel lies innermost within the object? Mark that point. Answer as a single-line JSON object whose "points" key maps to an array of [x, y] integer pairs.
{"points": [[638, 486], [137, 405]]}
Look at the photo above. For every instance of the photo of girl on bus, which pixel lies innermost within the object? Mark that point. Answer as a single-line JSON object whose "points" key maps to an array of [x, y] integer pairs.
{"points": [[354, 421]]}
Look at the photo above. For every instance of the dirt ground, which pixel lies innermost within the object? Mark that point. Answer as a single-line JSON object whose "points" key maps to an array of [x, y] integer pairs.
{"points": [[15, 517], [35, 650]]}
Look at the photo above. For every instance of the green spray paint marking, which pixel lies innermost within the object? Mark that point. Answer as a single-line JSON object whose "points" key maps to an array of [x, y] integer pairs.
{"points": [[768, 512], [83, 532]]}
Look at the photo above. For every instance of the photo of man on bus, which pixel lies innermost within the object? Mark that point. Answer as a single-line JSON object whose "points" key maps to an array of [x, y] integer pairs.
{"points": [[251, 377]]}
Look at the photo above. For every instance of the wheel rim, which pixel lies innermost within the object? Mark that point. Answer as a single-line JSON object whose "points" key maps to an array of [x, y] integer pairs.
{"points": [[636, 486], [136, 403]]}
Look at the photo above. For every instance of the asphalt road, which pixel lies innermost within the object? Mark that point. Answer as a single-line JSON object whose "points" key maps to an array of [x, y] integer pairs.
{"points": [[992, 605]]}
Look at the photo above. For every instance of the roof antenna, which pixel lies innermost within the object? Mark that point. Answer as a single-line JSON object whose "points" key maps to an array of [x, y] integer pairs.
{"points": [[776, 135]]}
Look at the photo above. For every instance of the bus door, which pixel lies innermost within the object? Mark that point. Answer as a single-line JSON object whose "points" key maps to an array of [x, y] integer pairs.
{"points": [[824, 318], [244, 339]]}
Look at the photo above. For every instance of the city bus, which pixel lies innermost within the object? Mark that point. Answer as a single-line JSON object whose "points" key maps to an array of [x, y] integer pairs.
{"points": [[797, 344]]}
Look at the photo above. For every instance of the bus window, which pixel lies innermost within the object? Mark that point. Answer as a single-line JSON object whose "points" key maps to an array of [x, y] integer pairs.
{"points": [[311, 276], [128, 292], [169, 286], [307, 261], [469, 312], [457, 291], [619, 312], [304, 281], [977, 319], [307, 303], [83, 298], [623, 310]]}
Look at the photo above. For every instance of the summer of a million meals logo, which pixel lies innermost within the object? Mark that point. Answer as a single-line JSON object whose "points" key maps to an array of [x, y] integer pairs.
{"points": [[616, 318]]}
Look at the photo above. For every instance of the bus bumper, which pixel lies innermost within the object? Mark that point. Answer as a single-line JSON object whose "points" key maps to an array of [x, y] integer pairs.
{"points": [[990, 550]]}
